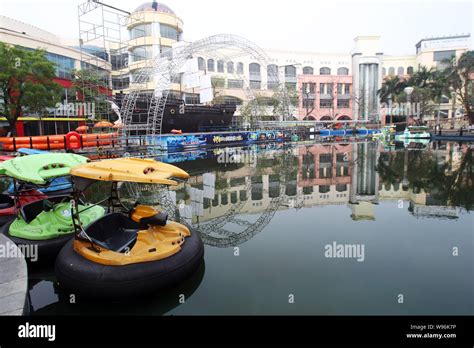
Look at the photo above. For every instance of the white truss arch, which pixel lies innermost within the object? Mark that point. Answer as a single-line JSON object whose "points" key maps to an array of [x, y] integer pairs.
{"points": [[165, 69]]}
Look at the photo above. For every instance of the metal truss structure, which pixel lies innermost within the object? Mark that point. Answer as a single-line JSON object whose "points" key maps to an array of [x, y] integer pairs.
{"points": [[104, 44], [166, 69]]}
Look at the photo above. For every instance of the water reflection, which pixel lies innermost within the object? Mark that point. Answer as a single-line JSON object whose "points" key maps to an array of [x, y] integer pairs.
{"points": [[228, 203], [409, 207], [45, 297]]}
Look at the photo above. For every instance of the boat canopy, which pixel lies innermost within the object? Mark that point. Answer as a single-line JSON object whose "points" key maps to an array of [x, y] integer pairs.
{"points": [[146, 171], [39, 169]]}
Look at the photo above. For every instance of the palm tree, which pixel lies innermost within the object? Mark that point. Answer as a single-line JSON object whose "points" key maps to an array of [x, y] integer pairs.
{"points": [[421, 78], [438, 87], [460, 77], [391, 88]]}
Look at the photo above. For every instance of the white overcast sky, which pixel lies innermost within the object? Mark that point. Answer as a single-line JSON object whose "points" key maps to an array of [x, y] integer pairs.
{"points": [[309, 25]]}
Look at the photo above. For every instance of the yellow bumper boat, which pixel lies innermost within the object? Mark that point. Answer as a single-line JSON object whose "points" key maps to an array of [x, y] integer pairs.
{"points": [[127, 253]]}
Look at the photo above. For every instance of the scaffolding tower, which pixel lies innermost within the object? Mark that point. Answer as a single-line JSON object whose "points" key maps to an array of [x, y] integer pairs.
{"points": [[104, 45]]}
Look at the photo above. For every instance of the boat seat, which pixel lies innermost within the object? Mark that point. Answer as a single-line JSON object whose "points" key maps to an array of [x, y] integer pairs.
{"points": [[6, 201], [30, 211], [115, 232], [159, 219]]}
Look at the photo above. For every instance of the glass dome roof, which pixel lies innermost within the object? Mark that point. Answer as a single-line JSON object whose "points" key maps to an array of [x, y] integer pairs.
{"points": [[154, 6]]}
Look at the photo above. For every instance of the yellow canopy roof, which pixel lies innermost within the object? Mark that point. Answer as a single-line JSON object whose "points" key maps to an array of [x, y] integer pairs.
{"points": [[137, 170]]}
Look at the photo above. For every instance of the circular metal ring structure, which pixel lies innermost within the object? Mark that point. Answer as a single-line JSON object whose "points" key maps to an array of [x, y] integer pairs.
{"points": [[164, 70]]}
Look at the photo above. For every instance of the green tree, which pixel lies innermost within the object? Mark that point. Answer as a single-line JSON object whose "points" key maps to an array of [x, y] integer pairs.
{"points": [[439, 87], [254, 109], [281, 97], [459, 75], [421, 78], [391, 88], [218, 84], [90, 86], [26, 83]]}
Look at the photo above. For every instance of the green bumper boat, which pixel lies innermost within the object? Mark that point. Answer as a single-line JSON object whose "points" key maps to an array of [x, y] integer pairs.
{"points": [[51, 218], [43, 227]]}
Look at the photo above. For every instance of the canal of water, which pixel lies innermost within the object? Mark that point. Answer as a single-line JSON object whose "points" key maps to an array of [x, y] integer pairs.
{"points": [[350, 228]]}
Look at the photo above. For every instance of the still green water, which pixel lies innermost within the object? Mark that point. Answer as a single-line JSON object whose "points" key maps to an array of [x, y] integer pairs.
{"points": [[270, 215]]}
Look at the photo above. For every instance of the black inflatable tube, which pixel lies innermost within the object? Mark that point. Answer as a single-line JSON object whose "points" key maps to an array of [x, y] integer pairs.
{"points": [[88, 279], [47, 249], [5, 219]]}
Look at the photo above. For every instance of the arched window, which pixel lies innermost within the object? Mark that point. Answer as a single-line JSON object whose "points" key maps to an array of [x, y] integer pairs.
{"points": [[240, 68], [210, 65], [220, 66], [324, 188], [290, 71], [391, 71], [272, 71], [400, 70], [307, 70], [343, 71], [201, 63], [272, 76], [325, 71], [230, 67], [230, 100], [410, 70], [254, 71], [384, 71]]}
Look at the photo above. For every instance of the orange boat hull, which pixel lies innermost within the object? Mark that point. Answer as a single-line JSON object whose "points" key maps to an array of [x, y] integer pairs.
{"points": [[58, 142]]}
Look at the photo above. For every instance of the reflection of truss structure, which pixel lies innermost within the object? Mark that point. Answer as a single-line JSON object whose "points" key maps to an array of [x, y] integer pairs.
{"points": [[166, 69], [227, 238], [214, 232], [163, 71]]}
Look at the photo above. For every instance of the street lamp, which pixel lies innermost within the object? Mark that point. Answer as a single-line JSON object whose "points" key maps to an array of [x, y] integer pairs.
{"points": [[453, 111], [390, 107], [307, 92], [408, 92]]}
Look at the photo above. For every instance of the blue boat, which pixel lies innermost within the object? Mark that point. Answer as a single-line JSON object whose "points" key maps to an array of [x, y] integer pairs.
{"points": [[332, 132], [365, 131], [27, 152]]}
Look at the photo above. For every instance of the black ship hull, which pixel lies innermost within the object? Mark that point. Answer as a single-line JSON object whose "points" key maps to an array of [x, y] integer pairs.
{"points": [[178, 116], [196, 118]]}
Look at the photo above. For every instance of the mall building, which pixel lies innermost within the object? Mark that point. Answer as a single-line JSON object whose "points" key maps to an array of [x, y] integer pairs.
{"points": [[328, 86], [66, 58]]}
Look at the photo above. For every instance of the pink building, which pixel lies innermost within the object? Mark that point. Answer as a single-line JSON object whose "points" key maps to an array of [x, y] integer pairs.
{"points": [[325, 97]]}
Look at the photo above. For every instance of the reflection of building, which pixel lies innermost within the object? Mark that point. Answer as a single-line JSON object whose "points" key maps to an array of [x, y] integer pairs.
{"points": [[432, 211], [364, 191], [332, 174], [365, 178]]}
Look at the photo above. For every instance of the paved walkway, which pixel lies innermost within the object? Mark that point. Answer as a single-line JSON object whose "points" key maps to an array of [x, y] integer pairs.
{"points": [[13, 279]]}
